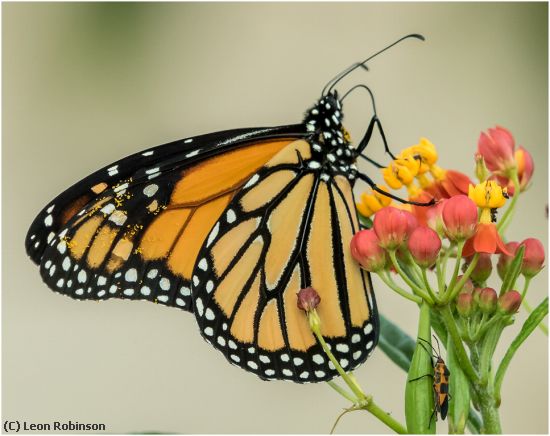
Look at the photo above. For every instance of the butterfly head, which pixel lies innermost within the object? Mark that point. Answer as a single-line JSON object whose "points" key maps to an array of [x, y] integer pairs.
{"points": [[325, 117], [330, 140]]}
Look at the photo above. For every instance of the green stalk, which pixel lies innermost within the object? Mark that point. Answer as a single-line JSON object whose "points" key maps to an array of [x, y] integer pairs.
{"points": [[416, 269], [355, 388], [385, 417], [452, 293], [342, 391], [446, 259], [460, 246], [489, 412], [479, 334], [428, 287], [529, 310], [459, 391], [529, 325], [525, 287], [439, 274], [461, 355], [487, 350], [365, 402], [392, 285], [419, 397], [407, 279]]}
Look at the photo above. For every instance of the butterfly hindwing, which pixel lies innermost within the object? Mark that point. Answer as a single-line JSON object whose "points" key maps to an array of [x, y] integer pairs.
{"points": [[282, 231], [137, 237]]}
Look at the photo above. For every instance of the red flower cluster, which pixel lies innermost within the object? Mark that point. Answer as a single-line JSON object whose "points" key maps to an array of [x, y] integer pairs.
{"points": [[392, 229], [465, 215]]}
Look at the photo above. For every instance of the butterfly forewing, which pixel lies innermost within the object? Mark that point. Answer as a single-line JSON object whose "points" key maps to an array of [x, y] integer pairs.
{"points": [[138, 237], [282, 231]]}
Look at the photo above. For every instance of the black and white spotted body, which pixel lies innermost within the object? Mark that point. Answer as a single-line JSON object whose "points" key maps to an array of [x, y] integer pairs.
{"points": [[330, 141]]}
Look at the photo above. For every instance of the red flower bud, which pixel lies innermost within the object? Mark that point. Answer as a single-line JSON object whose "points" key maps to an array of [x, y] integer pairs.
{"points": [[460, 217], [392, 226], [465, 305], [488, 300], [482, 270], [434, 217], [526, 167], [497, 148], [424, 245], [533, 258], [509, 302], [308, 299], [475, 295], [412, 222], [366, 250], [468, 286], [504, 260]]}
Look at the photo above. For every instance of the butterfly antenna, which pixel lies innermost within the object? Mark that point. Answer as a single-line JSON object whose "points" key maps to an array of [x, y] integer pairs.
{"points": [[332, 82], [363, 87]]}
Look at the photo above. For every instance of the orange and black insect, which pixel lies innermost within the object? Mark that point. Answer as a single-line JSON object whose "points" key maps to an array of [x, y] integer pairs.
{"points": [[441, 377], [230, 226]]}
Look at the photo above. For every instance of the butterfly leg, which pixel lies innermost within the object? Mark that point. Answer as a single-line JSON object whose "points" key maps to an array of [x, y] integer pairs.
{"points": [[373, 185], [372, 161], [375, 121]]}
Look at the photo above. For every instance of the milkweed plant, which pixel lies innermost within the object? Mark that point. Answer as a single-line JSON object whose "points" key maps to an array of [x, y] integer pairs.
{"points": [[440, 258]]}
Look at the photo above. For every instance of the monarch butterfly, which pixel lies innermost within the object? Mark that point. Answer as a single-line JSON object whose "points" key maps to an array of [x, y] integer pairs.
{"points": [[228, 226]]}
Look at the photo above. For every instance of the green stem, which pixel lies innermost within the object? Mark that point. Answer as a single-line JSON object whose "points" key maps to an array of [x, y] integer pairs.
{"points": [[461, 355], [361, 399], [444, 263], [385, 417], [415, 268], [460, 246], [355, 388], [419, 396], [489, 412], [342, 391], [407, 279], [391, 284], [487, 350], [428, 287], [529, 325], [506, 217], [439, 275], [484, 327], [452, 293], [529, 309], [525, 287]]}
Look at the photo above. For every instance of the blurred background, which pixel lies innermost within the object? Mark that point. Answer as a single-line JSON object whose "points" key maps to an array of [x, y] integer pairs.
{"points": [[85, 84]]}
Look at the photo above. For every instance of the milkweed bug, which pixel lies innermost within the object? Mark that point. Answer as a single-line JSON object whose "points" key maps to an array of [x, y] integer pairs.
{"points": [[441, 378]]}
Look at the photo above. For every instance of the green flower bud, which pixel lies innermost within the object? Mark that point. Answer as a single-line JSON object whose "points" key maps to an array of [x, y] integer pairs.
{"points": [[483, 268], [509, 302], [488, 300], [468, 287], [465, 304]]}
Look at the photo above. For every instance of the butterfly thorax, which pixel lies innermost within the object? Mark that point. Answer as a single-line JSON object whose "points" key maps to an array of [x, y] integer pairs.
{"points": [[330, 141]]}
